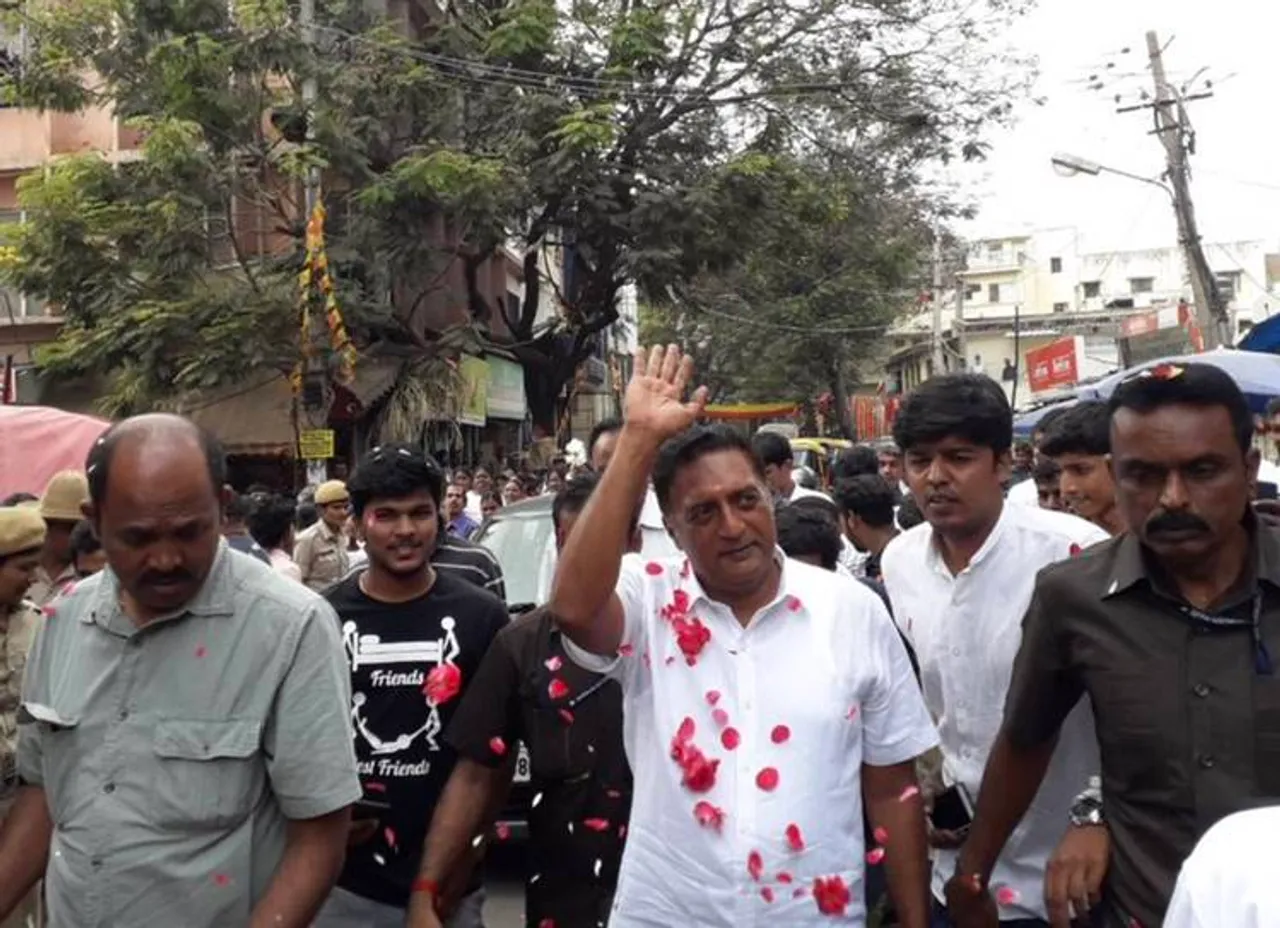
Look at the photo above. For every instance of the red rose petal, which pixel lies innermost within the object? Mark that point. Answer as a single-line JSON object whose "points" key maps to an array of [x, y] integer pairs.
{"points": [[766, 893], [730, 739], [670, 660], [881, 835], [831, 894], [1074, 550], [794, 604], [547, 923], [852, 713], [201, 650], [376, 787], [713, 697], [49, 611], [767, 779], [596, 824], [779, 734], [795, 840], [784, 877], [443, 684], [622, 832], [686, 730], [720, 717], [1006, 895], [553, 663], [497, 746], [875, 855], [626, 650], [389, 835], [557, 688], [567, 716], [221, 879], [910, 792], [653, 569], [708, 815], [503, 831], [755, 865]]}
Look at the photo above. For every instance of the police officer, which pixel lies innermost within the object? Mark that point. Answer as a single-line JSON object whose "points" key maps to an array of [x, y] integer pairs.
{"points": [[61, 508], [321, 551]]}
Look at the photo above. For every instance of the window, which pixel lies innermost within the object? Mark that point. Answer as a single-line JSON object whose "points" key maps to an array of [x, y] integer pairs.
{"points": [[995, 252], [1061, 307], [971, 292], [1055, 265], [1092, 288], [1228, 284], [1141, 284], [993, 293]]}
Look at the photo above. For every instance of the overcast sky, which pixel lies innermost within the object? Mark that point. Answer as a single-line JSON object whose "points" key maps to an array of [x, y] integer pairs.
{"points": [[1236, 172]]}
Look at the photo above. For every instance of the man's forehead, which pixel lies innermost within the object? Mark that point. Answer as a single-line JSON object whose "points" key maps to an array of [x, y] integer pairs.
{"points": [[719, 473], [1186, 424]]}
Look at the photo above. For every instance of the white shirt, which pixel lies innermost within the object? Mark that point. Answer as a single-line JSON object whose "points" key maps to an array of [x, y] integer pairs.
{"points": [[1229, 881], [1024, 493], [799, 492], [283, 564], [822, 659], [966, 630]]}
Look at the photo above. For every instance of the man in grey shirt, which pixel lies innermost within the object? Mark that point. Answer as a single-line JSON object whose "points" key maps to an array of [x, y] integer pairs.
{"points": [[184, 743]]}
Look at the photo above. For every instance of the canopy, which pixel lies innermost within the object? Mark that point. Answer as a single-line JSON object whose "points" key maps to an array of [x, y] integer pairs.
{"points": [[38, 441], [1255, 373], [1265, 336], [753, 411], [1025, 423]]}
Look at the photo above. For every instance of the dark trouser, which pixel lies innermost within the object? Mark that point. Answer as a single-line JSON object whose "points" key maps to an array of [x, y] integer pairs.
{"points": [[940, 919]]}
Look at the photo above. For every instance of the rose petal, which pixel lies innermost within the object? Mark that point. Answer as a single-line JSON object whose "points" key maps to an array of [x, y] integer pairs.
{"points": [[1006, 895], [799, 892], [730, 739], [376, 787], [503, 831], [755, 865], [497, 746], [795, 840], [1074, 550], [881, 835], [622, 831], [557, 689], [779, 734], [596, 824], [653, 569], [553, 663], [443, 684], [784, 877], [794, 604], [389, 835], [831, 894], [201, 650], [708, 815], [766, 893], [547, 923], [670, 660], [852, 713], [567, 716], [767, 779], [910, 792], [221, 879], [713, 697], [626, 650], [875, 855], [686, 730], [720, 717], [49, 611]]}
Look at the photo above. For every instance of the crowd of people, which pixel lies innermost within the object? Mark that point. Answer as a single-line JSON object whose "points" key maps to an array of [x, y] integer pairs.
{"points": [[976, 683]]}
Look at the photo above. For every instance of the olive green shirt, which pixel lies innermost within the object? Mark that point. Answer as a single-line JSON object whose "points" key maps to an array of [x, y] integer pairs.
{"points": [[17, 632], [172, 755]]}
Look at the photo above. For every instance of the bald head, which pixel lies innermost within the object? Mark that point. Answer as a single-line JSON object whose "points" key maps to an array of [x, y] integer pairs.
{"points": [[160, 440]]}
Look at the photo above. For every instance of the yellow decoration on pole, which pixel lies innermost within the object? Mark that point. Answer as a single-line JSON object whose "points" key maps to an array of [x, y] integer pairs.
{"points": [[315, 273]]}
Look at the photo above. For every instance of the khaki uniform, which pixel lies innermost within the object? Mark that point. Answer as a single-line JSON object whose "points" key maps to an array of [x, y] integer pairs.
{"points": [[45, 589], [19, 632], [321, 555]]}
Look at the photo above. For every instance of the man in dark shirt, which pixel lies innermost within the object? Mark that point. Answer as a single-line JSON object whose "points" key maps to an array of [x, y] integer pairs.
{"points": [[867, 506], [1172, 630], [235, 528], [414, 637], [527, 690]]}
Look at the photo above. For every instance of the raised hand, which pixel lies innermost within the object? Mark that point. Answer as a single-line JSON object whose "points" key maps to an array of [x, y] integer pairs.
{"points": [[655, 400]]}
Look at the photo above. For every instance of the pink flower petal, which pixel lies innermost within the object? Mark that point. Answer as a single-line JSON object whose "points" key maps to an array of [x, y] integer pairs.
{"points": [[713, 697], [626, 650], [1006, 895], [670, 660], [201, 650], [567, 716], [875, 855], [794, 604], [553, 663], [911, 792], [795, 840], [596, 824], [730, 739], [497, 746], [784, 877], [49, 611], [708, 815], [881, 835], [376, 787], [503, 831], [653, 569], [389, 834], [767, 779], [557, 689], [779, 734], [799, 892], [755, 865], [766, 893], [852, 713], [720, 717], [221, 879], [686, 730]]}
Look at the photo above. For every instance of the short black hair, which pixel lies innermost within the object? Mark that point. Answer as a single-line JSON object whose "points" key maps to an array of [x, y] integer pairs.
{"points": [[601, 428], [909, 514], [869, 497], [1085, 428], [97, 464], [807, 531], [308, 514], [971, 407], [1273, 408], [1045, 422], [394, 472], [700, 440], [1201, 385], [573, 499], [1046, 469], [239, 507], [772, 448], [855, 462], [84, 541], [460, 471], [271, 519], [17, 499], [493, 496]]}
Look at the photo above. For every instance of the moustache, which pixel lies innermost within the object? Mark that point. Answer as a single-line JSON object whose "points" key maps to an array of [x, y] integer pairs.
{"points": [[1175, 522], [157, 579]]}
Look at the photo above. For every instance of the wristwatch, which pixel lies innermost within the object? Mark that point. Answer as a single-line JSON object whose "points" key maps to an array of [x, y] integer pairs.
{"points": [[1087, 809]]}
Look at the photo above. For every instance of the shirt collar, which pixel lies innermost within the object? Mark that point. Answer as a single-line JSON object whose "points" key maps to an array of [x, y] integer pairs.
{"points": [[693, 587], [1130, 566], [214, 597], [934, 556]]}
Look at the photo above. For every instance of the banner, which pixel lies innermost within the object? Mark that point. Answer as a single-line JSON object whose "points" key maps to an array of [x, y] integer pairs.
{"points": [[1056, 364], [505, 398], [475, 390]]}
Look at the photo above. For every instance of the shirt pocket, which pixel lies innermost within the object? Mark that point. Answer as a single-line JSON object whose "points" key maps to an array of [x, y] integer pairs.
{"points": [[1266, 737], [208, 773]]}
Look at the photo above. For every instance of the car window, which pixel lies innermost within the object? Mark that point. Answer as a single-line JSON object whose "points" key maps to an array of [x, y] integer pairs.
{"points": [[519, 541]]}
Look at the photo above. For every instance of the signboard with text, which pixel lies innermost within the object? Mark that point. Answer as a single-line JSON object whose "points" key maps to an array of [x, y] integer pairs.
{"points": [[1054, 365], [315, 444]]}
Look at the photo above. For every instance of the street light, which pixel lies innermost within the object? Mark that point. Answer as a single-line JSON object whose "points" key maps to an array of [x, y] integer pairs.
{"points": [[1071, 165]]}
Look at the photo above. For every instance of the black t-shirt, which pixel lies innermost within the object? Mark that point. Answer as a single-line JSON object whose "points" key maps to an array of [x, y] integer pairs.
{"points": [[577, 763], [403, 757]]}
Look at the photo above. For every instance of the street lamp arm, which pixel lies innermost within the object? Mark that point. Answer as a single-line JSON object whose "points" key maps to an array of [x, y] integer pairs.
{"points": [[1151, 181]]}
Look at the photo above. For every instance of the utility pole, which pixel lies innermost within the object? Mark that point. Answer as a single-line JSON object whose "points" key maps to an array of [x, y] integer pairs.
{"points": [[1173, 128], [307, 19], [957, 323], [936, 300]]}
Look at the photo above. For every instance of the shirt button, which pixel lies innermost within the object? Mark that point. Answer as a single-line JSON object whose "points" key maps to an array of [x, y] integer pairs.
{"points": [[1201, 690], [124, 714], [1207, 761], [109, 788], [955, 652], [96, 863]]}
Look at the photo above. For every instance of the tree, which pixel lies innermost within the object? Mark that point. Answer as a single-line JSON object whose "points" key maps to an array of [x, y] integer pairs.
{"points": [[611, 140]]}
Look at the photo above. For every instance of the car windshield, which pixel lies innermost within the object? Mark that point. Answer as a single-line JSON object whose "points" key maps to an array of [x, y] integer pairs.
{"points": [[520, 541]]}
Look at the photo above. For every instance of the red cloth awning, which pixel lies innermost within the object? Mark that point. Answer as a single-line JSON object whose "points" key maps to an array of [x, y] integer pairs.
{"points": [[38, 441]]}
